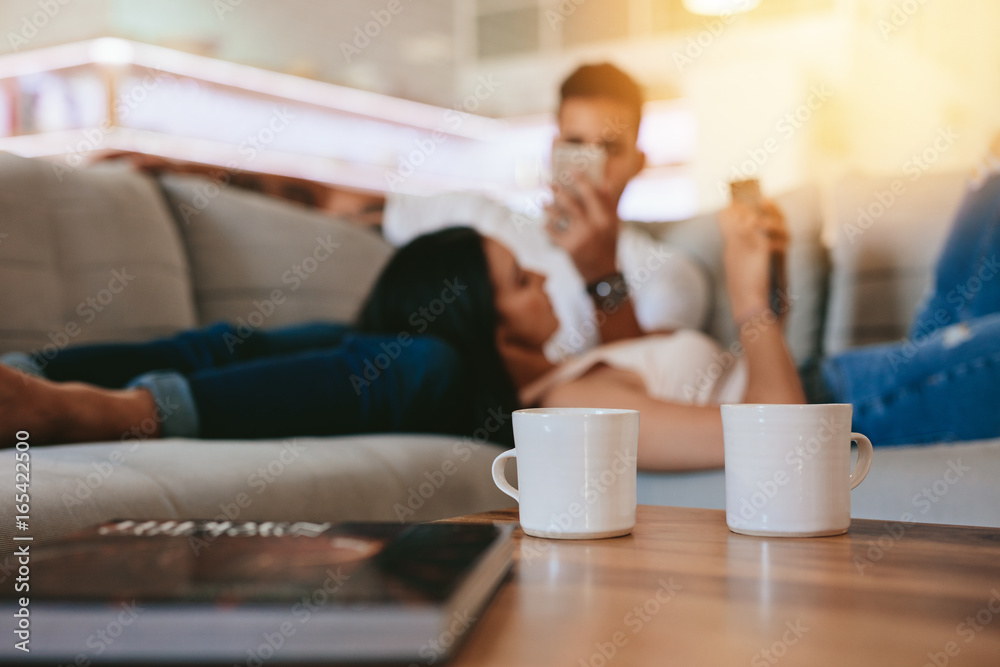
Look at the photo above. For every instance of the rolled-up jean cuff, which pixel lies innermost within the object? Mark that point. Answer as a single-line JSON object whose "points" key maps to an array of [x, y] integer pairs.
{"points": [[177, 411], [23, 362]]}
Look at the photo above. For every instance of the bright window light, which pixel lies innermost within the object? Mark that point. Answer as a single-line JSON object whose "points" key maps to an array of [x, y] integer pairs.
{"points": [[111, 51]]}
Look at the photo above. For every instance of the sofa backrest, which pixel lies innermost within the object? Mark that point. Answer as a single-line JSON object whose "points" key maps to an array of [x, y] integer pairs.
{"points": [[108, 254], [885, 235], [257, 261], [86, 255]]}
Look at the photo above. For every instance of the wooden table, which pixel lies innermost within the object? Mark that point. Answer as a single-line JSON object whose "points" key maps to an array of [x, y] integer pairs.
{"points": [[684, 590]]}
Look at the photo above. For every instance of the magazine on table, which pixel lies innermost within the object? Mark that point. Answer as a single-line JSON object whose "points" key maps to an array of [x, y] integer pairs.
{"points": [[248, 593]]}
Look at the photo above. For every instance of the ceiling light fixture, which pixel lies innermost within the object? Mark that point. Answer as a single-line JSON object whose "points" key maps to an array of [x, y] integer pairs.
{"points": [[719, 7]]}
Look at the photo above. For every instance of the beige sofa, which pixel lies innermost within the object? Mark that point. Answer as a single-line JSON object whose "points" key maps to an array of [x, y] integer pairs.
{"points": [[200, 253], [192, 253]]}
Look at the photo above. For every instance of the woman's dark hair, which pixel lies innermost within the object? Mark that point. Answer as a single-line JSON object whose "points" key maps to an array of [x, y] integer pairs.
{"points": [[439, 285]]}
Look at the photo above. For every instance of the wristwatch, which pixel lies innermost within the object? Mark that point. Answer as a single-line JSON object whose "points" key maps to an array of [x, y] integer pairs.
{"points": [[611, 290]]}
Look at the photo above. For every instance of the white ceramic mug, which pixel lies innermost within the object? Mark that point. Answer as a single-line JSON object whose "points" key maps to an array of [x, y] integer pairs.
{"points": [[788, 468], [575, 471]]}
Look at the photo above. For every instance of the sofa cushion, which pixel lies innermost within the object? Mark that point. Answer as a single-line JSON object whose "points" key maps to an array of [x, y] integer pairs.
{"points": [[86, 255], [362, 478], [265, 262], [806, 263], [886, 236]]}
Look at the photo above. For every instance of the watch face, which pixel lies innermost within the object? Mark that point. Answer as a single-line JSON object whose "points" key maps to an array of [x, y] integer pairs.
{"points": [[612, 291]]}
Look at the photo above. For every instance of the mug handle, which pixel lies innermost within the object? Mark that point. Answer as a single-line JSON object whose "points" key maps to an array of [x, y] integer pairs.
{"points": [[864, 463], [499, 476]]}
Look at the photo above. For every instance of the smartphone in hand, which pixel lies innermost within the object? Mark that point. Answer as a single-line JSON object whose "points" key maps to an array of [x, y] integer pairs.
{"points": [[571, 158], [747, 192]]}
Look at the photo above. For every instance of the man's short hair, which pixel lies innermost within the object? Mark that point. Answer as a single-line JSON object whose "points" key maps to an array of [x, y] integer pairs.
{"points": [[602, 80]]}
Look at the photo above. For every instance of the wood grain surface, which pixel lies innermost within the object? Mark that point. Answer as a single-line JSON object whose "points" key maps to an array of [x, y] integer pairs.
{"points": [[684, 590]]}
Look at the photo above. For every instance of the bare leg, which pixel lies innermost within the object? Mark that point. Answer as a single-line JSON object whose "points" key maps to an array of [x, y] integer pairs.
{"points": [[68, 411]]}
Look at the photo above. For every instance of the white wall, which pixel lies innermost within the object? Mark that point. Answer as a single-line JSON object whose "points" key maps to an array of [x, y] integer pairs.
{"points": [[24, 24], [896, 82]]}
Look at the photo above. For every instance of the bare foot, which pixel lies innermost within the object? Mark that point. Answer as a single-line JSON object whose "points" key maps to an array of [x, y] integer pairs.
{"points": [[55, 412], [23, 407]]}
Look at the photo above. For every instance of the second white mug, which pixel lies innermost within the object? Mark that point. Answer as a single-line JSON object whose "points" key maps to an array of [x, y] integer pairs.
{"points": [[788, 468]]}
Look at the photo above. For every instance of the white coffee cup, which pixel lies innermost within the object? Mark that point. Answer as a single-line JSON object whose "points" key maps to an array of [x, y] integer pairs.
{"points": [[788, 468], [575, 471]]}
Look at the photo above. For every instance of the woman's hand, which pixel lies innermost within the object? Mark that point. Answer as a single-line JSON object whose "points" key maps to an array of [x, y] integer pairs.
{"points": [[752, 237]]}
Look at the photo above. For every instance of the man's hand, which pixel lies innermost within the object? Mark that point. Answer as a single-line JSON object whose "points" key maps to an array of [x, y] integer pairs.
{"points": [[582, 220]]}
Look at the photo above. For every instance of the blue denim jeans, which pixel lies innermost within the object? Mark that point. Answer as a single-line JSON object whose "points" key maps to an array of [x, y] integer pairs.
{"points": [[314, 379], [943, 381]]}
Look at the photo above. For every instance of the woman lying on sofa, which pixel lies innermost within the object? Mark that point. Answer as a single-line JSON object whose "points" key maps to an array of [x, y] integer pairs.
{"points": [[485, 358], [943, 385]]}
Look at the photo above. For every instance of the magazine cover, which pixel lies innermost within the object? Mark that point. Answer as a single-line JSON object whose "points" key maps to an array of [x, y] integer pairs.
{"points": [[241, 591]]}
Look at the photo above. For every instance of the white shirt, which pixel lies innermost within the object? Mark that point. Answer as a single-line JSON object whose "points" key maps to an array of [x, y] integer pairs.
{"points": [[684, 367], [669, 289]]}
